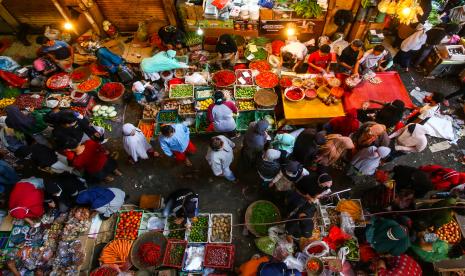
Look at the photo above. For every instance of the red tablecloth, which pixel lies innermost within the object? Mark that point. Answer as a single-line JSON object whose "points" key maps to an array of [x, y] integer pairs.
{"points": [[389, 90]]}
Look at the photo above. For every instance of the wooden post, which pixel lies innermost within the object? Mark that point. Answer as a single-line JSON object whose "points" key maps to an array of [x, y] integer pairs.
{"points": [[170, 12], [9, 19], [85, 7]]}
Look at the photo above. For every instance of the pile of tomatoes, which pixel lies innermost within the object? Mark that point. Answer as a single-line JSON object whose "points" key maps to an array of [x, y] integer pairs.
{"points": [[128, 225], [449, 232]]}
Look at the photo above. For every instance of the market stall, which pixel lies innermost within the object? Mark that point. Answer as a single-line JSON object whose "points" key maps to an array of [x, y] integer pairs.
{"points": [[387, 89]]}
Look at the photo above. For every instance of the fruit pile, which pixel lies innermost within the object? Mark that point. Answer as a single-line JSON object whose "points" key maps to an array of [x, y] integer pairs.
{"points": [[204, 104], [260, 65], [116, 252], [449, 232], [6, 102], [175, 252], [245, 105], [90, 84], [24, 101], [285, 82], [111, 90], [181, 91], [313, 265], [186, 109], [104, 271], [199, 230], [167, 117], [128, 225], [218, 256], [245, 92], [221, 228], [267, 80], [174, 233]]}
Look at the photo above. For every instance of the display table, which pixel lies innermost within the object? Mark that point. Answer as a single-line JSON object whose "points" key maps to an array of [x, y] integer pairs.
{"points": [[309, 111], [389, 90]]}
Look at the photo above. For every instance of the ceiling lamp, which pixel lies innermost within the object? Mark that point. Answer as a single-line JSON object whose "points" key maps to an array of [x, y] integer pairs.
{"points": [[408, 11]]}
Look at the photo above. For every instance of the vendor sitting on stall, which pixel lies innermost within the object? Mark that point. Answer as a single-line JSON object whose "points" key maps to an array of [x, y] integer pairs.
{"points": [[220, 114], [386, 236], [319, 61], [58, 51], [349, 56], [27, 200], [105, 201], [41, 69], [371, 60], [293, 56], [428, 110], [275, 58], [182, 203], [227, 49]]}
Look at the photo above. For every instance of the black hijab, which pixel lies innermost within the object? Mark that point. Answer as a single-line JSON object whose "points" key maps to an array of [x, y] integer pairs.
{"points": [[17, 120], [306, 145], [226, 44], [391, 113]]}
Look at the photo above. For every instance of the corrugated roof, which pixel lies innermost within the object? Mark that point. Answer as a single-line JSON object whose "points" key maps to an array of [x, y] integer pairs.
{"points": [[36, 13]]}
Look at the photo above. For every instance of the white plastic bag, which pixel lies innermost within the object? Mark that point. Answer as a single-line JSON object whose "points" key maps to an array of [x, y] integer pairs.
{"points": [[324, 252], [295, 263], [196, 79], [347, 223]]}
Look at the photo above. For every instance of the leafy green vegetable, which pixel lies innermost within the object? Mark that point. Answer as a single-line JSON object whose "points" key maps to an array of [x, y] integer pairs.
{"points": [[307, 9], [263, 212], [245, 92]]}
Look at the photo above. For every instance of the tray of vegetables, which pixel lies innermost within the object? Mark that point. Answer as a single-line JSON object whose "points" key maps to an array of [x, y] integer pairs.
{"points": [[244, 119], [260, 65], [244, 91], [91, 84], [245, 105], [202, 105], [167, 116], [203, 92], [127, 224], [450, 232], [267, 79], [59, 81], [198, 233], [260, 54], [244, 77], [223, 78], [181, 91], [186, 109], [201, 123], [147, 126], [24, 101], [261, 211], [150, 111], [219, 256], [111, 91], [173, 230], [220, 230], [354, 253], [170, 105], [104, 111], [174, 253]]}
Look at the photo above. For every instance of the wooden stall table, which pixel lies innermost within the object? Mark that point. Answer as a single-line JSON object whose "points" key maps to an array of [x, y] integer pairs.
{"points": [[309, 111], [391, 88], [134, 54]]}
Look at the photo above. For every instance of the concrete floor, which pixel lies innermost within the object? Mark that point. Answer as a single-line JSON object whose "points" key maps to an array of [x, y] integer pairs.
{"points": [[161, 175]]}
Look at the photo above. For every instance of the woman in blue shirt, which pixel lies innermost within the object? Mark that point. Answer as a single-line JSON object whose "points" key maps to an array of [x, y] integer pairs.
{"points": [[175, 141]]}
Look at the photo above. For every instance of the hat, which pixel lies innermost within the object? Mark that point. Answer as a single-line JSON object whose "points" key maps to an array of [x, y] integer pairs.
{"points": [[272, 154], [138, 87], [293, 166], [285, 142], [52, 102], [219, 97], [397, 232], [383, 151]]}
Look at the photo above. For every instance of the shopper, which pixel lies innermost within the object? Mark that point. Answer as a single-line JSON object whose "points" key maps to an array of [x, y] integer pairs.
{"points": [[254, 141], [220, 155], [162, 61], [443, 178], [52, 118], [183, 204], [319, 61], [411, 138], [269, 167], [386, 236], [284, 142], [410, 46], [371, 60], [105, 201], [370, 134], [220, 114], [275, 58], [428, 110], [29, 124], [135, 144], [175, 142], [398, 265], [407, 177], [44, 158], [94, 161], [367, 160], [344, 125], [293, 55], [390, 114], [26, 200], [58, 51], [334, 149], [171, 36], [349, 56], [310, 190], [226, 48], [306, 146], [61, 190], [8, 176], [302, 212]]}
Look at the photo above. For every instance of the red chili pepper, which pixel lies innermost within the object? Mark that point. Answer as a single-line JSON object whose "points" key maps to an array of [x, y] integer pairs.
{"points": [[149, 253], [267, 80], [260, 65], [224, 78], [285, 82], [111, 90]]}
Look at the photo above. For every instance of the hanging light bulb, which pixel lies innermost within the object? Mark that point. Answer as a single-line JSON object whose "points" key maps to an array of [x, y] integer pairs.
{"points": [[406, 11], [290, 31], [68, 26], [199, 31]]}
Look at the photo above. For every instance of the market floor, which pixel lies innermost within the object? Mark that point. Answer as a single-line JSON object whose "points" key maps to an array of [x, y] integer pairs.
{"points": [[162, 175]]}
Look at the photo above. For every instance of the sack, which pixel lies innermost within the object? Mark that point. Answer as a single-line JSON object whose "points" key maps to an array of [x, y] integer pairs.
{"points": [[125, 74], [283, 184]]}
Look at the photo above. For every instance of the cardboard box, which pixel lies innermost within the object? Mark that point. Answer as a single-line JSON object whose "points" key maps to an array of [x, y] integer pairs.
{"points": [[282, 14], [266, 14], [190, 12], [198, 12]]}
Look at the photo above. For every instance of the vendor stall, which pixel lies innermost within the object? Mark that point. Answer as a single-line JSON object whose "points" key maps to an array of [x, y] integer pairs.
{"points": [[389, 88], [310, 111]]}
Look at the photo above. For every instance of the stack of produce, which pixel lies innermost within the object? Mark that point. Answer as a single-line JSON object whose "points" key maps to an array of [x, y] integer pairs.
{"points": [[105, 271], [150, 111], [263, 212], [203, 104], [219, 256], [186, 109], [351, 207], [128, 225], [224, 78], [201, 123], [203, 92], [221, 228], [167, 116], [450, 232], [117, 252], [354, 254], [104, 111], [90, 84], [266, 79], [260, 65], [149, 254], [147, 129], [111, 90], [174, 253], [285, 82], [29, 101], [199, 230], [58, 81], [181, 91], [170, 105], [244, 91], [174, 233], [6, 102], [244, 77]]}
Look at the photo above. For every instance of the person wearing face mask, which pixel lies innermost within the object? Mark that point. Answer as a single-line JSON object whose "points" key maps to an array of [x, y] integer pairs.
{"points": [[135, 144]]}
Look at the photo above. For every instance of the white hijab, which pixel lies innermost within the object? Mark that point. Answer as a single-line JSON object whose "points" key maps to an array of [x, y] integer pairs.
{"points": [[135, 145]]}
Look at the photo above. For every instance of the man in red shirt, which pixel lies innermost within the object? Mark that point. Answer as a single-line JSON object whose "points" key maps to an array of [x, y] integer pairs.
{"points": [[318, 62]]}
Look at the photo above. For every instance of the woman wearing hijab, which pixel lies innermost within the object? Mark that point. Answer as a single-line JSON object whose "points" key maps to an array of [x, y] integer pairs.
{"points": [[335, 147], [390, 114], [322, 181], [410, 46], [45, 158], [411, 138], [370, 134], [27, 200], [221, 114], [227, 49], [162, 61], [135, 144], [105, 201], [344, 125], [306, 146], [61, 190], [255, 139], [284, 142], [268, 167], [386, 236], [91, 158], [367, 160]]}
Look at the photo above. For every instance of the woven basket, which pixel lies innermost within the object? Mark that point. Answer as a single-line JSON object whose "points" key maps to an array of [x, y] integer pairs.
{"points": [[266, 98], [248, 215], [153, 236]]}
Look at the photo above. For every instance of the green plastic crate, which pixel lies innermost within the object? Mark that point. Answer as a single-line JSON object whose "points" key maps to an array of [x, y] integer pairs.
{"points": [[203, 88], [244, 119], [165, 121], [201, 123]]}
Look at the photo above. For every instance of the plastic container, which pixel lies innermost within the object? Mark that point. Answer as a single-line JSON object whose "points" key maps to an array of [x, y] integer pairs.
{"points": [[236, 87], [184, 268], [244, 119], [183, 97], [210, 248], [162, 116], [238, 104], [205, 89], [201, 123], [210, 229], [204, 231], [171, 243]]}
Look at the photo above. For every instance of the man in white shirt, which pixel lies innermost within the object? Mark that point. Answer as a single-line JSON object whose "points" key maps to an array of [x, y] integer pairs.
{"points": [[294, 53], [372, 59]]}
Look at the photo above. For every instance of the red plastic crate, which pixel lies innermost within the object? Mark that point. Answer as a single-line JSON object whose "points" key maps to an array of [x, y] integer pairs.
{"points": [[166, 258], [230, 259]]}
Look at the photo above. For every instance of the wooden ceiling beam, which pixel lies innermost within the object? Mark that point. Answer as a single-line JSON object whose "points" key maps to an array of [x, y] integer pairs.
{"points": [[8, 17]]}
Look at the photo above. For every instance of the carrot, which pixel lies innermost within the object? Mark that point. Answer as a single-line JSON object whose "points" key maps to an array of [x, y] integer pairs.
{"points": [[116, 252]]}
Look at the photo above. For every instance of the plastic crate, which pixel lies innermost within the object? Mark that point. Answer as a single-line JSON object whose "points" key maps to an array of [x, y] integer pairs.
{"points": [[203, 88], [192, 112], [169, 245], [175, 105], [185, 257], [206, 231], [161, 116], [197, 104], [244, 119], [210, 229], [230, 259], [240, 72], [185, 97], [260, 114], [242, 110], [236, 87], [201, 118], [166, 231], [144, 221], [125, 211], [357, 258]]}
